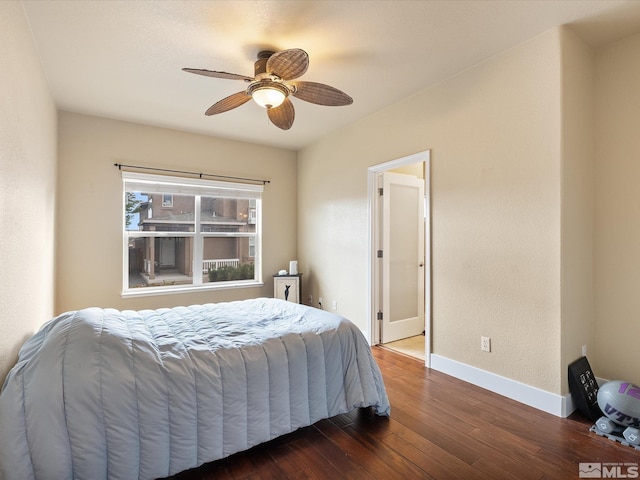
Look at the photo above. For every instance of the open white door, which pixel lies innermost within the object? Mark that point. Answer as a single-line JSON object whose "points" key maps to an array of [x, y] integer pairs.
{"points": [[403, 257]]}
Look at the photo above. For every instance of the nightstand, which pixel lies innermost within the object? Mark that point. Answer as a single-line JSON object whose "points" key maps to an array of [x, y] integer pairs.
{"points": [[288, 287]]}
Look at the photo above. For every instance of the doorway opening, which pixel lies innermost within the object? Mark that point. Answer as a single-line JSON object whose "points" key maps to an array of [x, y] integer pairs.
{"points": [[399, 249]]}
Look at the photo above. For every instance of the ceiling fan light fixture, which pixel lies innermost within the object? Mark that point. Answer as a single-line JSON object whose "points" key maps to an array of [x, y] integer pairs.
{"points": [[268, 94]]}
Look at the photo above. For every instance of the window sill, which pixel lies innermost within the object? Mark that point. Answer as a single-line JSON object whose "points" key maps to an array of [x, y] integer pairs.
{"points": [[151, 291]]}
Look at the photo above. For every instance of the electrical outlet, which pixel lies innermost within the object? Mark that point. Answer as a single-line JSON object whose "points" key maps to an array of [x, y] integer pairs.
{"points": [[485, 344], [320, 302], [584, 350], [334, 304]]}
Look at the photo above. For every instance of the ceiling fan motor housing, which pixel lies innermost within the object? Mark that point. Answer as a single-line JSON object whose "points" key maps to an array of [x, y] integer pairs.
{"points": [[270, 84], [260, 66]]}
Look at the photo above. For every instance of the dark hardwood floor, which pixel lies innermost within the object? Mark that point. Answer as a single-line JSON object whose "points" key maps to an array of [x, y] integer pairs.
{"points": [[440, 428]]}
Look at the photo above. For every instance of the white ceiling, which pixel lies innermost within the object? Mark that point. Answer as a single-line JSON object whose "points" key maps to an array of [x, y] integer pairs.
{"points": [[123, 59]]}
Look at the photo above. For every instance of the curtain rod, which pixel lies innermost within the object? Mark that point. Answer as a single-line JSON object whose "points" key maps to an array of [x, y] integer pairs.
{"points": [[199, 174]]}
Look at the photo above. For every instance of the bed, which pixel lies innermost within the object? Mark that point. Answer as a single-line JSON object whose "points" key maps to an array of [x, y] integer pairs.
{"points": [[101, 393]]}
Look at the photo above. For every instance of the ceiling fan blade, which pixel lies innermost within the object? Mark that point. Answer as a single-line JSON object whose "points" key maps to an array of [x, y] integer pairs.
{"points": [[229, 103], [321, 94], [211, 73], [282, 116], [288, 64]]}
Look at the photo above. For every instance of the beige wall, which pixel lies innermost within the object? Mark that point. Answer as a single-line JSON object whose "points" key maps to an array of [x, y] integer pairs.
{"points": [[89, 233], [577, 200], [27, 186], [617, 210], [494, 131]]}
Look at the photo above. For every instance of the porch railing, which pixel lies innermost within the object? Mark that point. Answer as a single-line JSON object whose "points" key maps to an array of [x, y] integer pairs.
{"points": [[216, 264]]}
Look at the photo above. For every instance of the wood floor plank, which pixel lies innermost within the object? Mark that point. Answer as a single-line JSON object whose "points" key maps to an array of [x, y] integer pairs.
{"points": [[369, 458], [436, 462], [308, 455], [413, 437], [440, 428]]}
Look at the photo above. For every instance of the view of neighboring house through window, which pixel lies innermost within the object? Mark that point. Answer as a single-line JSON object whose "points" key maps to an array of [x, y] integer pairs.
{"points": [[183, 233]]}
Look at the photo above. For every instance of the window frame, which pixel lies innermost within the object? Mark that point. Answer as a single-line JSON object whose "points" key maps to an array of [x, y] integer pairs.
{"points": [[163, 184]]}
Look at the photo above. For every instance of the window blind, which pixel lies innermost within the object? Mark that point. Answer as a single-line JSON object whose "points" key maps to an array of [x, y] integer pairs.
{"points": [[146, 183]]}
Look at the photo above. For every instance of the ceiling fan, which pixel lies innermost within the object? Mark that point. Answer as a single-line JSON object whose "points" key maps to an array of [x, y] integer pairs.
{"points": [[273, 83]]}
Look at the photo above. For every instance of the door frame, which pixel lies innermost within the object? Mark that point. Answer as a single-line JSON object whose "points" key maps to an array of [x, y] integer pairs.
{"points": [[374, 229]]}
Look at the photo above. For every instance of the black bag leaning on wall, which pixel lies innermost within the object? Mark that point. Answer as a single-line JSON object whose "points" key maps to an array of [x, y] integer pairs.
{"points": [[584, 389]]}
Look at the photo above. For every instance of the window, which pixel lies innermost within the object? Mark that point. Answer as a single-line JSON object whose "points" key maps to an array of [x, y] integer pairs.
{"points": [[252, 247], [205, 236], [167, 200], [252, 211]]}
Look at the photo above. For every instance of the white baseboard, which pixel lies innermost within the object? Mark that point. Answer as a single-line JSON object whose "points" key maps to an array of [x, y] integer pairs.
{"points": [[558, 405]]}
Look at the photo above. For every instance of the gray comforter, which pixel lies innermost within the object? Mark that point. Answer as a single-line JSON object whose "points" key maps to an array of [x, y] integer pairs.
{"points": [[101, 393]]}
